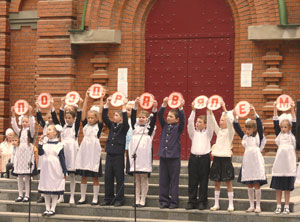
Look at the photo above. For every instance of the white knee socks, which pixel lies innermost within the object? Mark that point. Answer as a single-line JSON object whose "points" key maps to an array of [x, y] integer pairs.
{"points": [[96, 192], [217, 196], [230, 197], [72, 188], [82, 192], [251, 199], [258, 198]]}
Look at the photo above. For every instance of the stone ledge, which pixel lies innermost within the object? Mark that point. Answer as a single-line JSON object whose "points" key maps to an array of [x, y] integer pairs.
{"points": [[23, 18], [105, 36], [273, 32]]}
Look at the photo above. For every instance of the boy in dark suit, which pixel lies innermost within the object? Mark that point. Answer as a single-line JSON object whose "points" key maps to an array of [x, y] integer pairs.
{"points": [[115, 149], [169, 153]]}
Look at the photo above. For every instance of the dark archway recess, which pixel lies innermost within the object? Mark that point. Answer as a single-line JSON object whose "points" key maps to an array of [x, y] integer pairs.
{"points": [[189, 49]]}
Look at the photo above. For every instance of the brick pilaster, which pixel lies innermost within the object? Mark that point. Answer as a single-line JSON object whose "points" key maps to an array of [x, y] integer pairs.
{"points": [[55, 64], [4, 66]]}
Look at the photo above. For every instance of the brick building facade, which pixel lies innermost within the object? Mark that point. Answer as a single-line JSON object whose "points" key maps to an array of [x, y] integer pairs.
{"points": [[57, 46]]}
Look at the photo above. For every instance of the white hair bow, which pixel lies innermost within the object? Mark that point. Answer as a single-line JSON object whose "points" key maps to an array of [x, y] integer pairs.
{"points": [[8, 131], [130, 103], [95, 108], [285, 116], [58, 128], [247, 120]]}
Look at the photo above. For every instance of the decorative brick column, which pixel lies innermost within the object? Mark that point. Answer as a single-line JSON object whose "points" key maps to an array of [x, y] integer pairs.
{"points": [[272, 77], [4, 67], [55, 65]]}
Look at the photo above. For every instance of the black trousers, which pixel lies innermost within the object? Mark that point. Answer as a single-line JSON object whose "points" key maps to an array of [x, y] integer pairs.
{"points": [[114, 168], [198, 167]]}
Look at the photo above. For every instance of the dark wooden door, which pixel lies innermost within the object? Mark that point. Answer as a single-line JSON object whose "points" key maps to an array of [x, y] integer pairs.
{"points": [[189, 49]]}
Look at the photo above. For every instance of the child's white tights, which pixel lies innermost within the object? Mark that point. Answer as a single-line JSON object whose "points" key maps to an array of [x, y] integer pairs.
{"points": [[48, 198], [142, 188], [21, 185]]}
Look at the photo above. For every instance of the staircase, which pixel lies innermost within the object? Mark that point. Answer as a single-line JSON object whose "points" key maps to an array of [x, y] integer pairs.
{"points": [[10, 211]]}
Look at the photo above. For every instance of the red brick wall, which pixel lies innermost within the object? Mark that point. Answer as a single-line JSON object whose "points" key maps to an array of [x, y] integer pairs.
{"points": [[30, 58], [23, 69]]}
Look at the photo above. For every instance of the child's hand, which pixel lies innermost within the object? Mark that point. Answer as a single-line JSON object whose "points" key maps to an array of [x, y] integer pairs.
{"points": [[193, 106], [125, 101], [165, 101], [80, 102], [42, 138], [155, 104], [181, 103], [30, 108], [87, 94], [108, 101], [275, 104], [12, 109], [37, 106], [137, 101]]}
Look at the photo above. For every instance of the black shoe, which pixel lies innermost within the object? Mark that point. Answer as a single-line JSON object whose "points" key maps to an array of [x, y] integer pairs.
{"points": [[81, 202], [135, 205], [93, 203], [41, 200], [118, 203], [26, 199], [202, 206], [105, 203], [173, 206], [141, 205], [46, 212], [19, 199], [51, 213], [190, 206], [162, 206]]}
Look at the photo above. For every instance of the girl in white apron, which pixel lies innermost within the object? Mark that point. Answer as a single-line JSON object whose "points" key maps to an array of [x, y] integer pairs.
{"points": [[252, 172], [44, 124], [88, 160], [53, 168], [70, 122], [24, 156], [141, 146], [284, 167]]}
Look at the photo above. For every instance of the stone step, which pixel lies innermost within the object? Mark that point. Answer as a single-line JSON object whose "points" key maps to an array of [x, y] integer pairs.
{"points": [[239, 192], [37, 217], [153, 213], [152, 200]]}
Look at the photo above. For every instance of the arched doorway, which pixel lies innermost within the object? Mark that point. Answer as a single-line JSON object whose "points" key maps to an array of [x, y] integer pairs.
{"points": [[189, 48]]}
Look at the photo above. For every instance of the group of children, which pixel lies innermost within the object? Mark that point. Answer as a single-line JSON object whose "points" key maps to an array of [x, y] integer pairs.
{"points": [[60, 154]]}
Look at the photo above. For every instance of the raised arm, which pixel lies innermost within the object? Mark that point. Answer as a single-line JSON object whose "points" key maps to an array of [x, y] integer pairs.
{"points": [[237, 127], [191, 122], [153, 119], [105, 118], [84, 106], [134, 112], [31, 122], [162, 111], [53, 114], [293, 112], [101, 108], [181, 117], [212, 119], [125, 116], [14, 121], [39, 116], [276, 120], [260, 128]]}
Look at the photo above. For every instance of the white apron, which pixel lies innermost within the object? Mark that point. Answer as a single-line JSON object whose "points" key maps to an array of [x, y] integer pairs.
{"points": [[70, 146], [44, 141], [24, 155], [144, 150], [88, 156], [253, 167], [51, 176], [285, 161]]}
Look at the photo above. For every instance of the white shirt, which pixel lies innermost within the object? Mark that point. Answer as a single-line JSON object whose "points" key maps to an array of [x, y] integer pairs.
{"points": [[200, 139], [223, 144]]}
